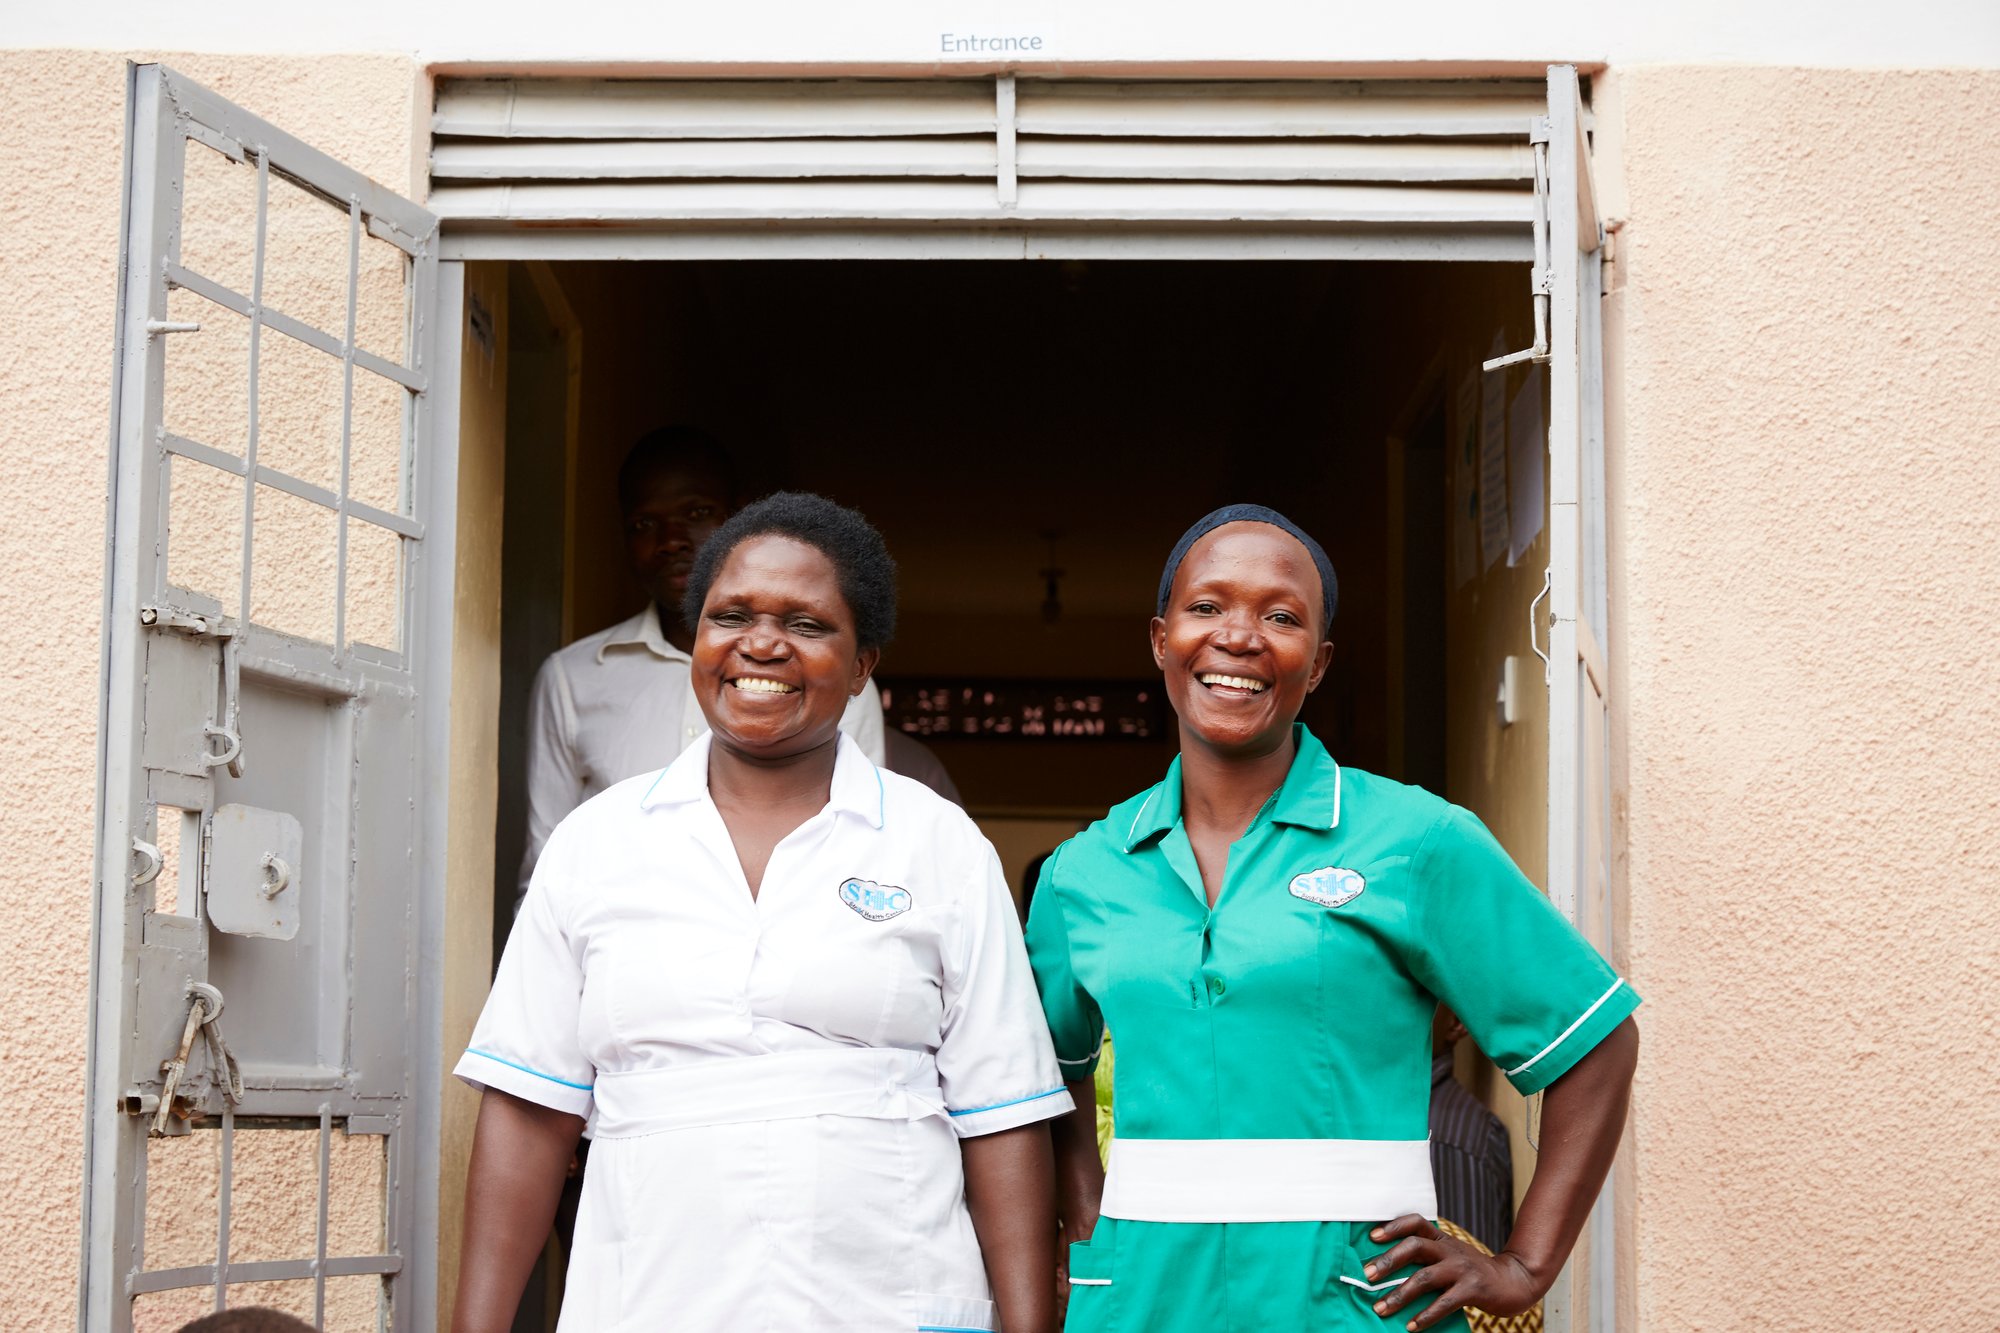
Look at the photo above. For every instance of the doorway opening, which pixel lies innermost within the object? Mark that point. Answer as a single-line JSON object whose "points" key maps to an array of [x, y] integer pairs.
{"points": [[1031, 438]]}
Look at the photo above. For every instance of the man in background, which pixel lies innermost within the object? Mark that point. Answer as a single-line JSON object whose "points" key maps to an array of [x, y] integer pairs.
{"points": [[1471, 1158], [616, 703]]}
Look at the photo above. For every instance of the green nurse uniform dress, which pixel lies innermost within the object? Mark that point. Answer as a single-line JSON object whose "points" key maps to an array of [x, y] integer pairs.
{"points": [[1273, 1075]]}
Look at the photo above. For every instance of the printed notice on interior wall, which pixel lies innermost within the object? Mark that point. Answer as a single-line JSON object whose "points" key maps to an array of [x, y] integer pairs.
{"points": [[1493, 461], [1465, 484], [1527, 459]]}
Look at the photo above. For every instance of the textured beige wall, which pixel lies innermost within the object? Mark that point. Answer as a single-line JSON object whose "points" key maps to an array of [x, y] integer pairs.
{"points": [[1808, 584], [59, 214]]}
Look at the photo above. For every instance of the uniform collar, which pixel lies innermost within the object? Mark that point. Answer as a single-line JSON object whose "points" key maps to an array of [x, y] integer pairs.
{"points": [[857, 783], [642, 631], [1308, 798]]}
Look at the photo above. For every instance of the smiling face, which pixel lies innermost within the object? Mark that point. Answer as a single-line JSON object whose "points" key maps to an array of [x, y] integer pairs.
{"points": [[1241, 645], [775, 655]]}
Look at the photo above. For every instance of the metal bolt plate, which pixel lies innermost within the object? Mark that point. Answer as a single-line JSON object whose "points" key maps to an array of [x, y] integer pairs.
{"points": [[254, 861]]}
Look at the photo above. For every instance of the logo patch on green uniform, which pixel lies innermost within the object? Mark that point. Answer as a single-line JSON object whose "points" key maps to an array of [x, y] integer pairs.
{"points": [[1329, 886]]}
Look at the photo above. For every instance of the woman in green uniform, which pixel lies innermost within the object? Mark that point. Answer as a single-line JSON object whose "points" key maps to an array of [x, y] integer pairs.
{"points": [[1269, 934]]}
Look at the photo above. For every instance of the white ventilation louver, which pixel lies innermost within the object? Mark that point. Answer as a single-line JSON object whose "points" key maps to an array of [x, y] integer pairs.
{"points": [[1444, 157]]}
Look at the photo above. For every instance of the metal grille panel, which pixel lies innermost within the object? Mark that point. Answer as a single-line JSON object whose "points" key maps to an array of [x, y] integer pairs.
{"points": [[1438, 158], [251, 1122]]}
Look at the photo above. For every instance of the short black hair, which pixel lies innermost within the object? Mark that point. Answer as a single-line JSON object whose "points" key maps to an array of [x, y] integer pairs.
{"points": [[674, 446], [252, 1319], [860, 557]]}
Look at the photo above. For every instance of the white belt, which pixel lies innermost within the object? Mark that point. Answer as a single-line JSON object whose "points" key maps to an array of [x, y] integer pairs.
{"points": [[1269, 1180], [869, 1082]]}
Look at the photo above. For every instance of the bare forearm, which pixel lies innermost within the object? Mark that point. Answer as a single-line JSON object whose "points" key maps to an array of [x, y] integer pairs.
{"points": [[1583, 1117], [1010, 1193], [520, 1152], [1079, 1170]]}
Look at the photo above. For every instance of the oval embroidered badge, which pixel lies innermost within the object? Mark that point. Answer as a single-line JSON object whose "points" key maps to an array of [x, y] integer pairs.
{"points": [[876, 902], [1329, 886]]}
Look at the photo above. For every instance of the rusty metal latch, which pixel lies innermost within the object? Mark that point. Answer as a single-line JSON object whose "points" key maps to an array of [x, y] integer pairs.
{"points": [[204, 1013]]}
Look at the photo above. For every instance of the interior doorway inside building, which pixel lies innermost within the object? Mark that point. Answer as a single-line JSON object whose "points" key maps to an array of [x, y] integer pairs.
{"points": [[1031, 437]]}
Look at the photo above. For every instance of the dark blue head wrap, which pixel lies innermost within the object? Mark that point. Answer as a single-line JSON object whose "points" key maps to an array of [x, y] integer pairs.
{"points": [[1329, 585]]}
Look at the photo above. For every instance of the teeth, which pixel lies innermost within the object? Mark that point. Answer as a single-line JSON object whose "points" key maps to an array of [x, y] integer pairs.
{"points": [[1234, 682], [759, 685]]}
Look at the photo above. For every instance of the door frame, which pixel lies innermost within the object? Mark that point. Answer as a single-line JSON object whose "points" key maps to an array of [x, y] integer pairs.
{"points": [[461, 244]]}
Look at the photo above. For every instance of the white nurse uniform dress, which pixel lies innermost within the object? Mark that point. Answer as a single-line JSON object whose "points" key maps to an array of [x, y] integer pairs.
{"points": [[776, 1087]]}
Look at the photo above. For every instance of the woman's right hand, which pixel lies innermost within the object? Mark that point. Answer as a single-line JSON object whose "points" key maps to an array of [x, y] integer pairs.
{"points": [[1079, 1179]]}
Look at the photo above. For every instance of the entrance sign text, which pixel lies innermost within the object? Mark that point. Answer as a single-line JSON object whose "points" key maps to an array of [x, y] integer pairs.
{"points": [[958, 44]]}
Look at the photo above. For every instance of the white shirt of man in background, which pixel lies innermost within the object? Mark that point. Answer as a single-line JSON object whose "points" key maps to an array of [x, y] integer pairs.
{"points": [[616, 703]]}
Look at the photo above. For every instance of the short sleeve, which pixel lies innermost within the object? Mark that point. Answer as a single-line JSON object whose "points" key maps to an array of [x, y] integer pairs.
{"points": [[1075, 1025], [994, 1060], [555, 783], [525, 1042], [1530, 989]]}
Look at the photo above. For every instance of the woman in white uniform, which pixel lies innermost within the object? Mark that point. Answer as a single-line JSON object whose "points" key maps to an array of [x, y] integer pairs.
{"points": [[787, 991]]}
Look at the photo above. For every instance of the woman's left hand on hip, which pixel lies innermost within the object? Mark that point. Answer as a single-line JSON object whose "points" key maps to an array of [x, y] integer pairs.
{"points": [[1458, 1273]]}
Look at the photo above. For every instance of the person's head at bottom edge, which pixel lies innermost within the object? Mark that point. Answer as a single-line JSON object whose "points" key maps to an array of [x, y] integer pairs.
{"points": [[251, 1319]]}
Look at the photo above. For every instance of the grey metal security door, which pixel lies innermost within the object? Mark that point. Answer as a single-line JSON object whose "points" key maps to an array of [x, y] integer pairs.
{"points": [[1570, 287], [252, 1129]]}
